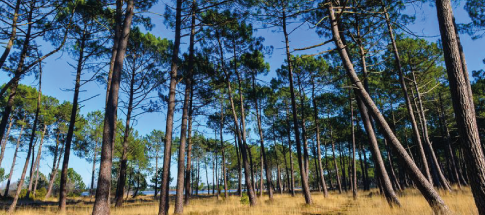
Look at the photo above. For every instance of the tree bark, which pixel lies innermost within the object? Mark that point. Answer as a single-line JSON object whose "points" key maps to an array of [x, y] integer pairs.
{"points": [[409, 107], [304, 176], [5, 139], [292, 171], [121, 183], [434, 200], [319, 150], [164, 195], [179, 196], [102, 202], [13, 161], [462, 103], [188, 190], [72, 122], [240, 137], [265, 161], [37, 159], [13, 35], [335, 167], [55, 168], [91, 191]]}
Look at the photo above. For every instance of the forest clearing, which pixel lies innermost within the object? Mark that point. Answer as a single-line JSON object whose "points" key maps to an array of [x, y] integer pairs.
{"points": [[242, 107], [460, 201]]}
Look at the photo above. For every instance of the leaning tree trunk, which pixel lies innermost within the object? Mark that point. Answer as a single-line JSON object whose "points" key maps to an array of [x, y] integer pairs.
{"points": [[6, 114], [5, 140], [13, 35], [434, 161], [462, 103], [409, 107], [303, 175], [37, 159], [426, 188], [72, 122], [55, 167], [102, 202], [13, 161], [383, 181]]}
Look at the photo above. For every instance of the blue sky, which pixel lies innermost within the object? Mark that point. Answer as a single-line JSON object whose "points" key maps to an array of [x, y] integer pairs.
{"points": [[58, 76]]}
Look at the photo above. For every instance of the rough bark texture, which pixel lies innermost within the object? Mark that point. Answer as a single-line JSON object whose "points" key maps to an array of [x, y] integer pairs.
{"points": [[462, 103], [102, 202]]}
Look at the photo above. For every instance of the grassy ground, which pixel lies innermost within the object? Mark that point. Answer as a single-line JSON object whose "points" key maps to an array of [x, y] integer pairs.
{"points": [[460, 202]]}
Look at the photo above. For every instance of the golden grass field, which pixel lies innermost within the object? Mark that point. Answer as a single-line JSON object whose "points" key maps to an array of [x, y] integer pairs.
{"points": [[368, 203]]}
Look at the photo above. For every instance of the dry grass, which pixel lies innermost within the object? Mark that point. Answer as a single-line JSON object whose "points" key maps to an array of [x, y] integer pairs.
{"points": [[460, 202]]}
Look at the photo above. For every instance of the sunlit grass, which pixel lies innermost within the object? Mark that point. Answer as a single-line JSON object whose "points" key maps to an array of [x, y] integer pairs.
{"points": [[368, 203]]}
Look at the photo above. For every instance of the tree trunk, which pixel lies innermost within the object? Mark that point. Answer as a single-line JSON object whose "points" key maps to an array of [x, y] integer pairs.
{"points": [[179, 196], [5, 140], [288, 130], [102, 202], [121, 183], [269, 184], [462, 103], [240, 137], [72, 122], [434, 200], [37, 159], [434, 161], [13, 161], [55, 168], [189, 138], [319, 150], [409, 107], [164, 195], [354, 168], [304, 176], [13, 35], [91, 191], [337, 175]]}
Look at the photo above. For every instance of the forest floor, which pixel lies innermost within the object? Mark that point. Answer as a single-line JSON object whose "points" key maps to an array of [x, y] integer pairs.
{"points": [[367, 203]]}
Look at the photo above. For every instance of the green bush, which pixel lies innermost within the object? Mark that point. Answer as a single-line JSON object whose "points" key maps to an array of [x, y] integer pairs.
{"points": [[40, 193], [23, 194], [245, 199]]}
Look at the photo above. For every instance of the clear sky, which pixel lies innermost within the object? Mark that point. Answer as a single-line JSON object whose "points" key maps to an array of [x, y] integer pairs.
{"points": [[59, 76]]}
